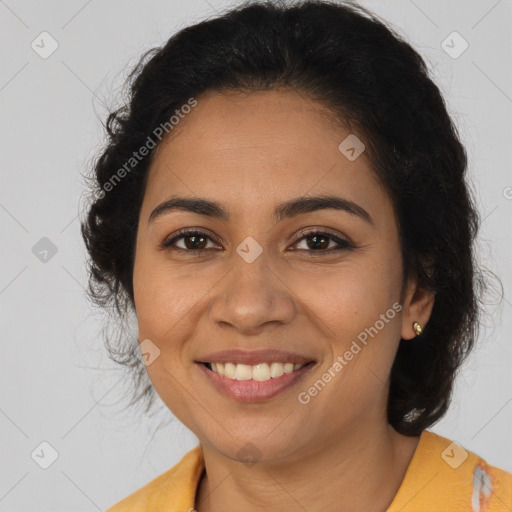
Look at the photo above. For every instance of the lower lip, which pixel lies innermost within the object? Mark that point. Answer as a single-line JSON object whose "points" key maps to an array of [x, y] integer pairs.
{"points": [[253, 390]]}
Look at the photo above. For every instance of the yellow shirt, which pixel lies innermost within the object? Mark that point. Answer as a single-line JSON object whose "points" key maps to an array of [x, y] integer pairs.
{"points": [[441, 477]]}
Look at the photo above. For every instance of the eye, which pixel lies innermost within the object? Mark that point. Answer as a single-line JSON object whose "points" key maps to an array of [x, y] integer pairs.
{"points": [[320, 242], [196, 242]]}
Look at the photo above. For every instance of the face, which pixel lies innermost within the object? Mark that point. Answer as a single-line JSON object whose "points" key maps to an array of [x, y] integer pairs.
{"points": [[320, 284]]}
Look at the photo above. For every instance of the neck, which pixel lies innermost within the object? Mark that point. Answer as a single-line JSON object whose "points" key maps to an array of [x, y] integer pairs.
{"points": [[361, 471]]}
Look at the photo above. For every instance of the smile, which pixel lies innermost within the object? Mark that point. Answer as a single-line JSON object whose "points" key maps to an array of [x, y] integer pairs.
{"points": [[253, 383], [259, 372]]}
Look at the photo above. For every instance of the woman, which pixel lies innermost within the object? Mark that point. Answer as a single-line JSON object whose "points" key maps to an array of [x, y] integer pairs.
{"points": [[283, 205]]}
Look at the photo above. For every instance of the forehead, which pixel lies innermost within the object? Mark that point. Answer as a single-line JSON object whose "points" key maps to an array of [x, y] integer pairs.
{"points": [[249, 149]]}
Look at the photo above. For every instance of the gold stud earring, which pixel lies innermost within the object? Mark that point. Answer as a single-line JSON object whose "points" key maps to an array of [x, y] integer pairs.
{"points": [[417, 328]]}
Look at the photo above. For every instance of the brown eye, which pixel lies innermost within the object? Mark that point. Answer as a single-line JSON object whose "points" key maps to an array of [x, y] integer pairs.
{"points": [[317, 241], [196, 242], [320, 242], [193, 241]]}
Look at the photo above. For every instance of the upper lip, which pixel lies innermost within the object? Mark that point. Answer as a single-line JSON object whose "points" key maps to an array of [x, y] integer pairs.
{"points": [[252, 357]]}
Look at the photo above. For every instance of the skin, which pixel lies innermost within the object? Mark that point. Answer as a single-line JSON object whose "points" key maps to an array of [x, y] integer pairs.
{"points": [[251, 152]]}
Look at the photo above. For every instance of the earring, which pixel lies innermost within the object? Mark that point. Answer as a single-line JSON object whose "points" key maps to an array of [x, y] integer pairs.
{"points": [[417, 328]]}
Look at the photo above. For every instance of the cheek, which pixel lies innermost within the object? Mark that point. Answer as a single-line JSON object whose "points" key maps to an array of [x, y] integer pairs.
{"points": [[162, 295], [161, 301], [357, 309], [350, 298], [359, 314]]}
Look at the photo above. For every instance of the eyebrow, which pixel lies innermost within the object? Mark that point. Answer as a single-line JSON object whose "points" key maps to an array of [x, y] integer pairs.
{"points": [[288, 209]]}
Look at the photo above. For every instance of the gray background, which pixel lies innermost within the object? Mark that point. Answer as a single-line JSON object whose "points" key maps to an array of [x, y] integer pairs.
{"points": [[57, 383]]}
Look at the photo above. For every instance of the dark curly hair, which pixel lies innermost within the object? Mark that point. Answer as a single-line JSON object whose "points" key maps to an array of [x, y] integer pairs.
{"points": [[368, 77]]}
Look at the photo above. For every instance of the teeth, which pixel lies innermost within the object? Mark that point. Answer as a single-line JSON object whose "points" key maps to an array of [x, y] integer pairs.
{"points": [[229, 370], [259, 372], [288, 368], [242, 372], [276, 370]]}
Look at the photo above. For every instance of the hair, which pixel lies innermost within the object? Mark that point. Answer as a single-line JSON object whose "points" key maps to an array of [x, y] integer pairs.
{"points": [[351, 62]]}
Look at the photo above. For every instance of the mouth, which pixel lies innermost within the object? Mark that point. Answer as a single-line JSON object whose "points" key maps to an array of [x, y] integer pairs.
{"points": [[260, 372], [253, 383]]}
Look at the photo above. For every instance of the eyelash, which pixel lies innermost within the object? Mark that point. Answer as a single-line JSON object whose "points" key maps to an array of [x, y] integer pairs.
{"points": [[343, 244]]}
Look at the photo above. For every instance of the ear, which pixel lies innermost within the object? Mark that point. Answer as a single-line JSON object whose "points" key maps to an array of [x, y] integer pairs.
{"points": [[417, 307]]}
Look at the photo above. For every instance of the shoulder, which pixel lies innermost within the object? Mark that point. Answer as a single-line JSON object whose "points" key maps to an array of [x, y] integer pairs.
{"points": [[173, 490], [443, 475]]}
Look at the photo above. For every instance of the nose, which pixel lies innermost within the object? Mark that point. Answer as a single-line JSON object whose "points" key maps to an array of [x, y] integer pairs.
{"points": [[251, 296]]}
